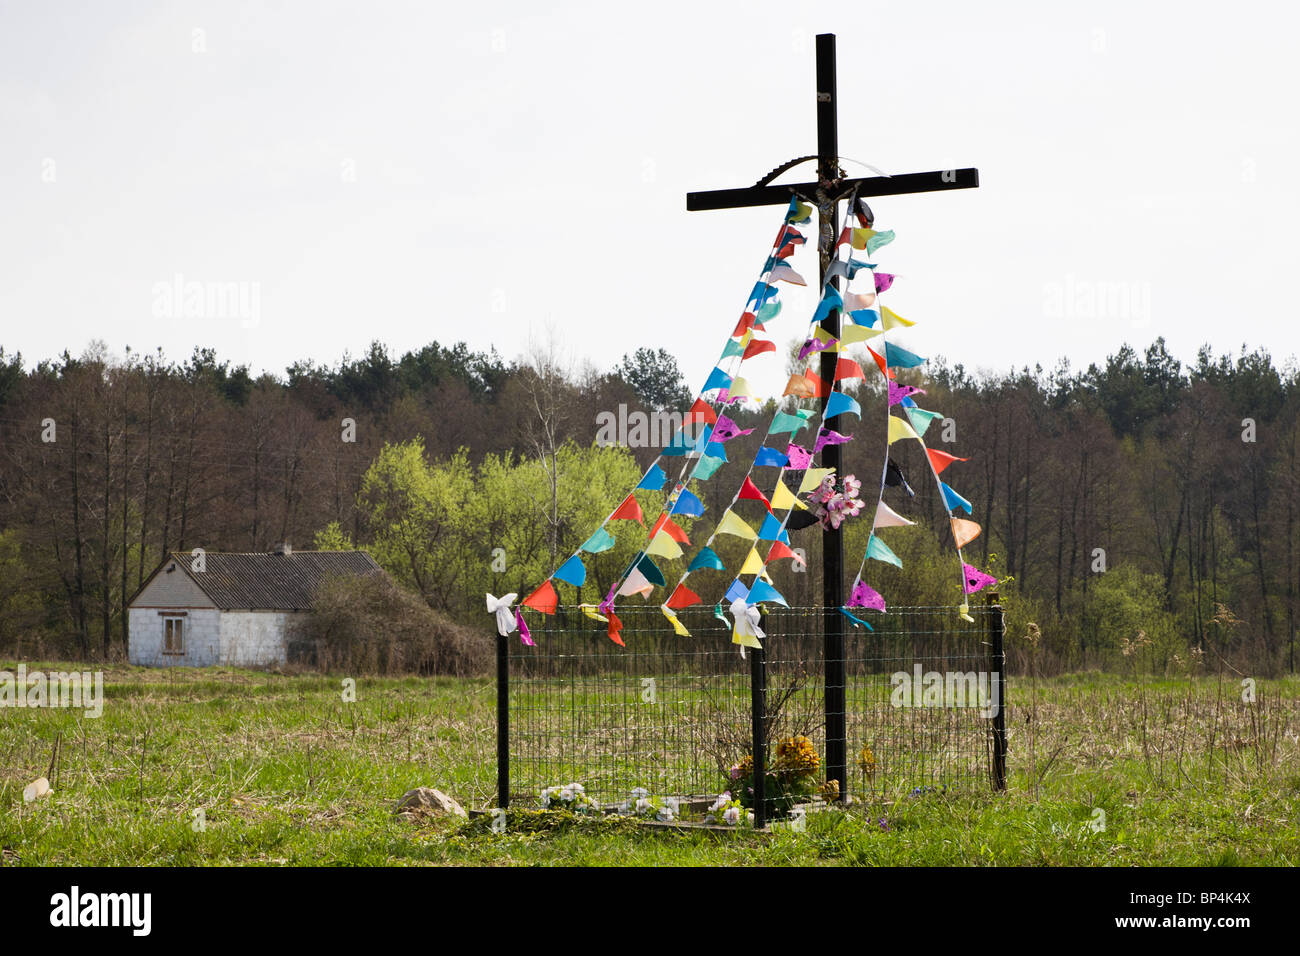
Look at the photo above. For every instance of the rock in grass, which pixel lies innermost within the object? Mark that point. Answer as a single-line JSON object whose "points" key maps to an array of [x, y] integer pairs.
{"points": [[40, 787], [424, 801]]}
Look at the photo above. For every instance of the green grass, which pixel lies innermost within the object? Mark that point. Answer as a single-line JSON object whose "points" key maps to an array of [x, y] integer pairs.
{"points": [[285, 772]]}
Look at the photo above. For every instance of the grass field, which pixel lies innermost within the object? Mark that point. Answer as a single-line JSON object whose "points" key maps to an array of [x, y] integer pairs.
{"points": [[239, 767]]}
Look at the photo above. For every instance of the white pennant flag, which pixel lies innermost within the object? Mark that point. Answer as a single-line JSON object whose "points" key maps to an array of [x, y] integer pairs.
{"points": [[887, 517]]}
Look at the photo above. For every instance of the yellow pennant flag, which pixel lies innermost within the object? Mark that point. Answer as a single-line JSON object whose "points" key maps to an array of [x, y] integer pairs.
{"points": [[812, 478], [900, 429], [860, 237], [678, 626], [964, 531], [892, 320], [745, 640], [784, 498], [749, 334], [821, 335], [753, 564], [731, 523], [590, 611], [853, 334], [664, 546], [740, 389]]}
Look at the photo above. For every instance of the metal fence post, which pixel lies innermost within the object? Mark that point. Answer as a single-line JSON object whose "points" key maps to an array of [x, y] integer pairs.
{"points": [[758, 725], [999, 677], [503, 722]]}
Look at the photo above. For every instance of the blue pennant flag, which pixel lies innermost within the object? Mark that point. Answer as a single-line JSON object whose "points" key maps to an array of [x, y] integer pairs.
{"points": [[654, 479], [856, 620], [762, 591], [762, 292], [831, 300], [717, 379], [573, 571], [706, 559], [736, 591], [867, 317], [839, 403], [954, 500], [687, 504], [772, 530], [715, 449], [770, 456], [896, 357]]}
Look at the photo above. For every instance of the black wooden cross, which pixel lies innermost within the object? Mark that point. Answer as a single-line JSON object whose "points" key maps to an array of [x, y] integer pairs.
{"points": [[830, 188]]}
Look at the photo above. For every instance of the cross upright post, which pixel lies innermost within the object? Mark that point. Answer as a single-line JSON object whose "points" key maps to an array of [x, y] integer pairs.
{"points": [[825, 194]]}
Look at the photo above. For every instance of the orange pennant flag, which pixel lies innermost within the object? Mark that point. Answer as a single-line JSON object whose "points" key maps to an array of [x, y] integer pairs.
{"points": [[964, 531], [629, 510], [845, 236], [756, 347], [781, 550], [941, 460], [885, 370], [544, 599], [615, 625], [683, 597], [799, 386], [701, 411], [750, 492], [847, 368]]}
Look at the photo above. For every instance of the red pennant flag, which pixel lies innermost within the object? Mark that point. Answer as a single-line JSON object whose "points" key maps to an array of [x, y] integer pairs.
{"points": [[819, 388], [786, 251], [845, 236], [665, 523], [683, 597], [629, 510], [781, 550], [744, 325], [615, 625], [750, 492], [847, 368], [880, 360], [757, 346], [544, 599], [941, 459], [701, 411]]}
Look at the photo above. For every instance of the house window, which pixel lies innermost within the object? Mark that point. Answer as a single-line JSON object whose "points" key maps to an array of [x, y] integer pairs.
{"points": [[173, 635]]}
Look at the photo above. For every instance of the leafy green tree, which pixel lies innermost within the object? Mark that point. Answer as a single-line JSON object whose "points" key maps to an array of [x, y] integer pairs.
{"points": [[656, 379]]}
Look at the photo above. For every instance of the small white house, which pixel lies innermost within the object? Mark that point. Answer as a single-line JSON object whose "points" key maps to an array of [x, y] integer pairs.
{"points": [[232, 609]]}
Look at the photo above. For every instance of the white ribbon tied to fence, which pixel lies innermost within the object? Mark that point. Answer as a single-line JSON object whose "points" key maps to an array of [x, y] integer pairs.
{"points": [[501, 608], [746, 631]]}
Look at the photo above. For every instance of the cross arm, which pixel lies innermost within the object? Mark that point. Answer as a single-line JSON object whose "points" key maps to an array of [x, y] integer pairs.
{"points": [[939, 179]]}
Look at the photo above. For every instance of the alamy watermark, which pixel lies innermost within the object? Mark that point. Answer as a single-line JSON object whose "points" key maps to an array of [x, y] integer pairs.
{"points": [[183, 298], [1079, 298], [636, 429], [946, 689], [82, 689]]}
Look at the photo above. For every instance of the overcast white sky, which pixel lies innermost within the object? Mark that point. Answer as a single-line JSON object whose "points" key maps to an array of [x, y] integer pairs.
{"points": [[484, 171]]}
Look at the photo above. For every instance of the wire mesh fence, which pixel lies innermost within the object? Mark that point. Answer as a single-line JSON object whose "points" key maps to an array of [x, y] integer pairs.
{"points": [[675, 716]]}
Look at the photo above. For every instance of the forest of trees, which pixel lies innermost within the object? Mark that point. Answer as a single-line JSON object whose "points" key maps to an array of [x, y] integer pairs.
{"points": [[1139, 496]]}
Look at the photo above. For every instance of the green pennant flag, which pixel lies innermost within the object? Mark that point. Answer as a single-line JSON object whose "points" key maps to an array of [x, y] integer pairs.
{"points": [[921, 419], [881, 552], [600, 541], [786, 423]]}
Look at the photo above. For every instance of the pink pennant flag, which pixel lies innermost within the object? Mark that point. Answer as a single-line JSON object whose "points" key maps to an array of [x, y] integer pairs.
{"points": [[883, 281], [524, 634], [828, 437], [865, 596], [975, 579], [725, 429], [899, 392], [799, 457]]}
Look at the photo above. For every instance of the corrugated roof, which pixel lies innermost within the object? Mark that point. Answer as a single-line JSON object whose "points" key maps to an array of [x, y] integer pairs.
{"points": [[258, 581]]}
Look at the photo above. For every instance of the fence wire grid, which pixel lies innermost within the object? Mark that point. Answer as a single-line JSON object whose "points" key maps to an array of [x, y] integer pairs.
{"points": [[673, 715]]}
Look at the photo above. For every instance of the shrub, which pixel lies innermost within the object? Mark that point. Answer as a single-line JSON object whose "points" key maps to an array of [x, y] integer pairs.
{"points": [[372, 625]]}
